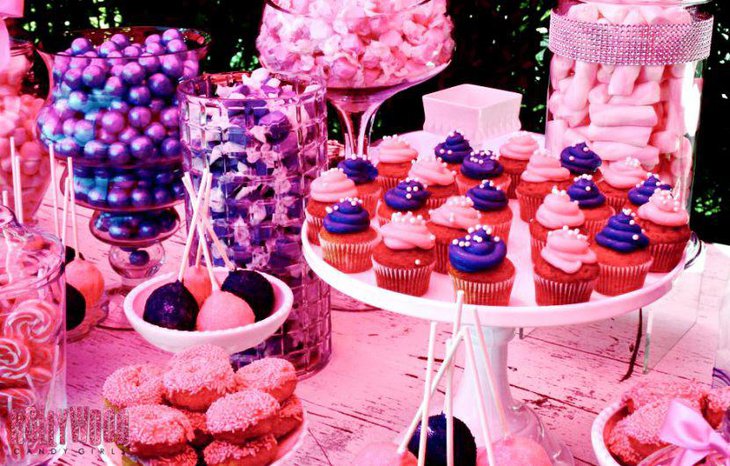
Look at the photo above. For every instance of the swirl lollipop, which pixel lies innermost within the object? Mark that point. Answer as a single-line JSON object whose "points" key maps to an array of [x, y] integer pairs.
{"points": [[16, 399], [14, 361], [34, 321]]}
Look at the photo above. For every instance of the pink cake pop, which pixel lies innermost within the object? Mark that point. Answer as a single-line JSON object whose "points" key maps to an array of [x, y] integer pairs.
{"points": [[515, 450], [384, 454], [196, 280]]}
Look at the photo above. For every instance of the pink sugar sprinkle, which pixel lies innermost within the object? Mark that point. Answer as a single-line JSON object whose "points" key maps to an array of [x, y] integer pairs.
{"points": [[134, 385], [157, 424], [619, 444], [719, 399], [240, 411], [188, 457], [197, 420], [194, 374], [266, 373], [209, 352], [647, 392], [221, 452], [644, 424], [291, 408]]}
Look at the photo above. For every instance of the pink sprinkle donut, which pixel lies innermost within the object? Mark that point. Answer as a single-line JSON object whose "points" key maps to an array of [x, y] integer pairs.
{"points": [[207, 352], [187, 457], [257, 452], [195, 382], [290, 417], [132, 386], [642, 426], [34, 321], [645, 393], [156, 430], [14, 361], [620, 446], [200, 428], [275, 376], [16, 398], [243, 415], [718, 401]]}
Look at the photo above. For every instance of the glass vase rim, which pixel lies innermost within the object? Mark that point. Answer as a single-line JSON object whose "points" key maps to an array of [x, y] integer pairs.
{"points": [[185, 87], [20, 46], [416, 3], [197, 47], [660, 3]]}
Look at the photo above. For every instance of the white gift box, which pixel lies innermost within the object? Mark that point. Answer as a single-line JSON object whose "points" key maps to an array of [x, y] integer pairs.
{"points": [[479, 112]]}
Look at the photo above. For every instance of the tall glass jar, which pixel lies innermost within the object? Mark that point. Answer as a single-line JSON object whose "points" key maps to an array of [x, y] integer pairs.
{"points": [[21, 97], [32, 331], [263, 135], [626, 78]]}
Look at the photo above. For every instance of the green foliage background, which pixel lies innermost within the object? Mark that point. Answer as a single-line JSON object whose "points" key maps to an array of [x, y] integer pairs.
{"points": [[499, 43]]}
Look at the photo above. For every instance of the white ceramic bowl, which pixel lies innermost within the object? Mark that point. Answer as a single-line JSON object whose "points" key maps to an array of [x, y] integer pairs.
{"points": [[606, 418], [233, 340]]}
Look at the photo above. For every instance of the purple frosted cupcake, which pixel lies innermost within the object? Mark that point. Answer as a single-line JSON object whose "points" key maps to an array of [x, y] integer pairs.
{"points": [[453, 150], [482, 166], [346, 237], [580, 160], [492, 202], [592, 203], [364, 174], [639, 195], [410, 195]]}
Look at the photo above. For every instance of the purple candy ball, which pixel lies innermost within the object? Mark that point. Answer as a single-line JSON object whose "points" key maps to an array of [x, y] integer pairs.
{"points": [[113, 121], [150, 64], [119, 154], [120, 106], [164, 178], [79, 62], [132, 51], [93, 76], [176, 46], [133, 73], [147, 229], [160, 85], [68, 127], [81, 45], [107, 47], [142, 148], [170, 117], [62, 110], [178, 190], [152, 39], [171, 34], [141, 197], [95, 150], [172, 66], [96, 197], [157, 105], [120, 231], [139, 117], [125, 180], [118, 197], [155, 48], [139, 95], [114, 87], [83, 131], [170, 147], [105, 136], [127, 134], [74, 78], [156, 132], [161, 195], [190, 69], [78, 100], [67, 147], [120, 40]]}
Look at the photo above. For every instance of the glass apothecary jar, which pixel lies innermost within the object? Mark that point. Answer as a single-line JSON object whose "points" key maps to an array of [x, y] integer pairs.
{"points": [[32, 332]]}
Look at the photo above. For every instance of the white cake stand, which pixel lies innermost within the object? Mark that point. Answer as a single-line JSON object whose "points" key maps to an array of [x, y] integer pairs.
{"points": [[499, 325]]}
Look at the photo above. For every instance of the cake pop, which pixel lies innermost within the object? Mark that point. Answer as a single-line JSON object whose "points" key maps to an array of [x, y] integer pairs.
{"points": [[253, 288], [384, 454], [465, 448], [75, 307], [197, 282], [515, 450]]}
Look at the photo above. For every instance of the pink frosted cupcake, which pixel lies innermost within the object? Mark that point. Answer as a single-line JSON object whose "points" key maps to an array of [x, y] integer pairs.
{"points": [[394, 161], [327, 189], [347, 238], [404, 260], [514, 155], [435, 174], [666, 223], [618, 179], [566, 269], [543, 172], [449, 222], [557, 211]]}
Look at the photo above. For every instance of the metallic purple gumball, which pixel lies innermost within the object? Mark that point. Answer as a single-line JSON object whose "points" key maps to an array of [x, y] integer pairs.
{"points": [[105, 136], [141, 197], [172, 66], [52, 127], [133, 73], [78, 62], [190, 69], [107, 47], [93, 76], [95, 150], [141, 148], [170, 117], [117, 70], [68, 127], [81, 45], [74, 78], [164, 177], [120, 231], [125, 181], [152, 39], [161, 195], [132, 51], [139, 257], [114, 87], [155, 48], [67, 147], [171, 34], [156, 132], [120, 106], [149, 63], [118, 197], [62, 110], [120, 39], [178, 189], [148, 229], [119, 154], [170, 147], [139, 95], [127, 134], [96, 197], [176, 46], [113, 121], [78, 100], [83, 131], [140, 117], [157, 105], [161, 85]]}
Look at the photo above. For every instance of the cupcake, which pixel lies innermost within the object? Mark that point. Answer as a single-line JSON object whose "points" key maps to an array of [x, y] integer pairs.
{"points": [[347, 238], [592, 203], [437, 177], [623, 255], [491, 201], [543, 172], [666, 223], [478, 265], [580, 160], [640, 194], [618, 178], [453, 150], [557, 211], [410, 195], [481, 166], [331, 186], [404, 260], [566, 270], [361, 171], [451, 221], [514, 155], [395, 156]]}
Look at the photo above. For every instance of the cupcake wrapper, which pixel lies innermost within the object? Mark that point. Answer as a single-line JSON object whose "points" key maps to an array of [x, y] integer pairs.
{"points": [[551, 292], [617, 202], [370, 202], [615, 280], [512, 188], [314, 224], [529, 205], [485, 294], [594, 226], [441, 249], [414, 282], [500, 229], [666, 256], [536, 247], [388, 182], [383, 220], [435, 202], [349, 257]]}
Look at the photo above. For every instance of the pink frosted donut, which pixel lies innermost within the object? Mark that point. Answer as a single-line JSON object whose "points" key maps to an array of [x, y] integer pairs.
{"points": [[16, 399], [14, 361], [274, 376], [645, 393], [620, 446], [195, 382], [718, 401], [290, 417], [257, 452], [242, 415], [210, 352], [34, 321], [187, 457], [133, 385], [200, 428], [156, 430]]}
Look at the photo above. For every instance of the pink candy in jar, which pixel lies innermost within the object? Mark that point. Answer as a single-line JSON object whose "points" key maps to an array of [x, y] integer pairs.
{"points": [[358, 43], [624, 79]]}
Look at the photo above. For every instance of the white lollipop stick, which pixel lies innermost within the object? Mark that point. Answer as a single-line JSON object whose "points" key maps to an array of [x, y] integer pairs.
{"points": [[54, 187], [427, 395], [490, 375], [471, 361], [17, 189], [74, 227], [434, 384], [6, 201], [191, 230], [64, 227], [201, 236], [198, 253], [449, 408]]}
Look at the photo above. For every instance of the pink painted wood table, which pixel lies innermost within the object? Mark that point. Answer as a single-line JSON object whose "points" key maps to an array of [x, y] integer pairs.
{"points": [[370, 389]]}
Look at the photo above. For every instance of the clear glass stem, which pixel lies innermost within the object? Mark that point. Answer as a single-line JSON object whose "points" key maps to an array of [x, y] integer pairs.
{"points": [[357, 123]]}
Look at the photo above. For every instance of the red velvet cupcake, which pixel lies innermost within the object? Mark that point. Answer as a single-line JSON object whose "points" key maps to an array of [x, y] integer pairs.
{"points": [[514, 155], [542, 174], [557, 211], [481, 166], [592, 203], [364, 174], [331, 186], [618, 179], [410, 195], [666, 223], [435, 174], [395, 157], [492, 203], [347, 238], [449, 222], [453, 150]]}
